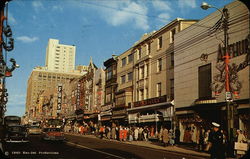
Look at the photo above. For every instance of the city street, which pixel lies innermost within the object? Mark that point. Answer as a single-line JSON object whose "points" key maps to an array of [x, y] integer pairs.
{"points": [[85, 147]]}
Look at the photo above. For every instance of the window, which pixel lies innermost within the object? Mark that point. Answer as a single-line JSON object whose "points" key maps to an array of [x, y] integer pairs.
{"points": [[108, 95], [160, 42], [172, 58], [205, 91], [130, 76], [172, 33], [142, 72], [159, 65], [109, 73], [158, 87], [147, 70], [123, 79], [124, 61], [148, 48], [139, 53], [171, 89], [130, 58], [141, 94]]}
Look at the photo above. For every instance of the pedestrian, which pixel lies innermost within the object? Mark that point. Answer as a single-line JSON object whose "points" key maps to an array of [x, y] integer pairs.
{"points": [[136, 133], [240, 139], [145, 134], [201, 139], [160, 135], [117, 130], [101, 131], [140, 133], [171, 137], [113, 132], [216, 140], [108, 133], [165, 137], [130, 133], [177, 135]]}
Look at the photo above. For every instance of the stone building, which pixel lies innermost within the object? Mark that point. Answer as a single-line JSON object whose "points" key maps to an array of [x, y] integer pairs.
{"points": [[200, 73]]}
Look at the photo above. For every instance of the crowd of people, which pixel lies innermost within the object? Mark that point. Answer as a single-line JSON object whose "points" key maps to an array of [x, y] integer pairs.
{"points": [[212, 140]]}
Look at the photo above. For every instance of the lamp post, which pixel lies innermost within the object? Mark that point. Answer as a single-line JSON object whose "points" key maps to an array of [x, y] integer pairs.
{"points": [[226, 57]]}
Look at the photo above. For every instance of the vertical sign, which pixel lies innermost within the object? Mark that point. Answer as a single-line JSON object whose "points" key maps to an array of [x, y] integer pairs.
{"points": [[59, 97], [78, 96]]}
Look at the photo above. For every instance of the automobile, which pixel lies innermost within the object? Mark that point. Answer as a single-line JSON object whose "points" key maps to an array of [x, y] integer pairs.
{"points": [[52, 134], [34, 130], [16, 133]]}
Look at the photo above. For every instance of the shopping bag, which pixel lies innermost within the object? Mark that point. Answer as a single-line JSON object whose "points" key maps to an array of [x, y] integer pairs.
{"points": [[240, 146]]}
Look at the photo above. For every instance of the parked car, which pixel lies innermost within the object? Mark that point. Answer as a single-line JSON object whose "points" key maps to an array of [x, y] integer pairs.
{"points": [[53, 134], [16, 133], [34, 130]]}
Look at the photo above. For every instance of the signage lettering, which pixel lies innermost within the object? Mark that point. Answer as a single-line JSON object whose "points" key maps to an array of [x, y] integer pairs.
{"points": [[59, 97], [151, 101]]}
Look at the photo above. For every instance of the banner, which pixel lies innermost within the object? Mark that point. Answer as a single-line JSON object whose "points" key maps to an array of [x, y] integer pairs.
{"points": [[59, 97]]}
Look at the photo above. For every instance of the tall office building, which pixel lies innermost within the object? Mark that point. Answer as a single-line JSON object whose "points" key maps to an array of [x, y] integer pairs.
{"points": [[60, 57]]}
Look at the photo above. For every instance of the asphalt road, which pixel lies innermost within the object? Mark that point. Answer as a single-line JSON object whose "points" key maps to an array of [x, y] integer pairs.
{"points": [[77, 147]]}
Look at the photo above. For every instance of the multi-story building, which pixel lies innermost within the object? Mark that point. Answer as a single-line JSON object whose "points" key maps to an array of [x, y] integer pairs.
{"points": [[60, 57], [124, 94], [110, 89], [40, 80], [200, 73], [153, 76]]}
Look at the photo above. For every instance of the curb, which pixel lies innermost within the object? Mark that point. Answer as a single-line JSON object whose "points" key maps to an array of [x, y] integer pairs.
{"points": [[159, 149]]}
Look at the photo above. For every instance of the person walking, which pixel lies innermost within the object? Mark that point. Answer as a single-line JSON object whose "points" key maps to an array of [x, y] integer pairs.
{"points": [[165, 137], [216, 140], [140, 133], [136, 131], [102, 131], [113, 133], [240, 139]]}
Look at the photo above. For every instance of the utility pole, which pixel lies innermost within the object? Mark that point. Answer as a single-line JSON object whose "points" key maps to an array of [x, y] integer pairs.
{"points": [[7, 44]]}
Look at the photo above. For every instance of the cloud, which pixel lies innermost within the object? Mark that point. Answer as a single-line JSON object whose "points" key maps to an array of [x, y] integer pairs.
{"points": [[187, 4], [11, 18], [164, 17], [161, 5], [117, 13], [57, 8], [37, 5], [27, 39]]}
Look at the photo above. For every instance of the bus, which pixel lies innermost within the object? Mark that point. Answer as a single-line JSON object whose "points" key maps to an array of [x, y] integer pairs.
{"points": [[12, 120]]}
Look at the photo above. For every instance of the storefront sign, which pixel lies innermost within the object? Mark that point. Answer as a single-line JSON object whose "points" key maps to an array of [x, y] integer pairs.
{"points": [[119, 112], [106, 107], [235, 49], [59, 97], [151, 101], [78, 95]]}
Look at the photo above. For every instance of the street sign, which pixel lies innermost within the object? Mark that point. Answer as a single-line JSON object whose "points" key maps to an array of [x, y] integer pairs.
{"points": [[229, 96]]}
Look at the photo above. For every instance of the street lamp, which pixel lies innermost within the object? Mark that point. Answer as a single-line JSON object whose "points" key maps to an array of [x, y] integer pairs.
{"points": [[226, 57]]}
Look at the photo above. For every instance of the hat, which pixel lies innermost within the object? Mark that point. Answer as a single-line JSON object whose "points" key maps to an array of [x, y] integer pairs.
{"points": [[215, 124]]}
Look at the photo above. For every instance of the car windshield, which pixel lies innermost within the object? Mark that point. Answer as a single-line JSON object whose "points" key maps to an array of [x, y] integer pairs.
{"points": [[16, 128], [34, 127]]}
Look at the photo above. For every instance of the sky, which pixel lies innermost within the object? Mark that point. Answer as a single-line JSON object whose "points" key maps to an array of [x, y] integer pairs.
{"points": [[98, 28]]}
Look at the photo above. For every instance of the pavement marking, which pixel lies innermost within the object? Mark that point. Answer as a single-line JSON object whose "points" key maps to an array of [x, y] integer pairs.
{"points": [[71, 143]]}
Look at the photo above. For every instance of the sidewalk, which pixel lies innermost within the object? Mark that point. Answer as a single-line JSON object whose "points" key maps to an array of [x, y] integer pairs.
{"points": [[155, 145]]}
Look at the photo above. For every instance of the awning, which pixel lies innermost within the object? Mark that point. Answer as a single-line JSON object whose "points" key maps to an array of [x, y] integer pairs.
{"points": [[119, 117], [150, 107]]}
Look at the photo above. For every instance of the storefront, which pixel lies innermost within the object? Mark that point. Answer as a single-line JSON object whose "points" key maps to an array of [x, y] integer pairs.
{"points": [[152, 115]]}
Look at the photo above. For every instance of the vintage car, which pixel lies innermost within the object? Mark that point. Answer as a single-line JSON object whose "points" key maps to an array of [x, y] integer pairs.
{"points": [[34, 130], [52, 134], [16, 133]]}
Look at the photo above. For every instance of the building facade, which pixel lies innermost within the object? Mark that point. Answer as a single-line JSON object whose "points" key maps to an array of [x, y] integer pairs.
{"points": [[40, 80], [153, 76], [200, 73], [60, 57], [110, 90]]}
